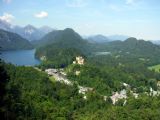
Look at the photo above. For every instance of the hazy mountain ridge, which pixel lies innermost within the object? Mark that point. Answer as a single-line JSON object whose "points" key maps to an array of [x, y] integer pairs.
{"points": [[118, 37], [13, 41], [5, 25], [98, 39], [29, 31], [134, 44], [156, 42]]}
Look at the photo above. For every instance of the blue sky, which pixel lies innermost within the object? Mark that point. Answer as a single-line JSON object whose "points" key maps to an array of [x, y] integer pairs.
{"points": [[137, 18]]}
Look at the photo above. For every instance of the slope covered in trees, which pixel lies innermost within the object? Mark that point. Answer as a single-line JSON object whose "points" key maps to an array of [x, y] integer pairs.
{"points": [[29, 94], [56, 57], [105, 79], [61, 47], [132, 49], [66, 38], [12, 41]]}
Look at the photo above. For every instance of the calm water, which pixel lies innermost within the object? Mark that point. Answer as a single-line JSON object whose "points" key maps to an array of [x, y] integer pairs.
{"points": [[102, 53], [20, 57]]}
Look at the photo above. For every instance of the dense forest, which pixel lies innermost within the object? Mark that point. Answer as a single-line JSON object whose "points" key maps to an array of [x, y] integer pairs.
{"points": [[60, 57], [107, 79], [29, 94], [61, 47]]}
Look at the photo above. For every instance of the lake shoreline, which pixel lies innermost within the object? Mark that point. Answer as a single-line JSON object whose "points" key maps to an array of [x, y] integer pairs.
{"points": [[20, 57]]}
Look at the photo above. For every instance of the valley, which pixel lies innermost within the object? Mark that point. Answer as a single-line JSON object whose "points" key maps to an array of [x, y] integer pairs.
{"points": [[79, 60], [79, 88]]}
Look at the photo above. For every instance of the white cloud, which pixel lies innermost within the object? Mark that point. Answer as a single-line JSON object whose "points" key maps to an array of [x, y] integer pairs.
{"points": [[7, 1], [7, 17], [42, 14], [130, 2], [76, 3]]}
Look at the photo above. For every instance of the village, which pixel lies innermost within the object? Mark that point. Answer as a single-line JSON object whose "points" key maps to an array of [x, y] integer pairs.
{"points": [[61, 76]]}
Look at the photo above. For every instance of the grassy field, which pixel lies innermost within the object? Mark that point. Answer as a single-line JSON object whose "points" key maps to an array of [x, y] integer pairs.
{"points": [[155, 67]]}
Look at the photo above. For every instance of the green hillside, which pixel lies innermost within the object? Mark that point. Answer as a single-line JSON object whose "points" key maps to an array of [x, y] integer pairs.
{"points": [[133, 50], [62, 48], [29, 94], [66, 38], [12, 41]]}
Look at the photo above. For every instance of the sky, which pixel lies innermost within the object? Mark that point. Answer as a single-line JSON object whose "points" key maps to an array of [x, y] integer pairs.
{"points": [[136, 18]]}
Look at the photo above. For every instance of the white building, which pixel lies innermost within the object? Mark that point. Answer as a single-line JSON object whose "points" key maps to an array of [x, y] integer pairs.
{"points": [[77, 73], [83, 90], [51, 71], [117, 96], [58, 76], [43, 58], [79, 60]]}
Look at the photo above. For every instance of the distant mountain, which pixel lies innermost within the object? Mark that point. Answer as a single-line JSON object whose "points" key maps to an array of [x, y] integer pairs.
{"points": [[135, 49], [157, 42], [29, 32], [5, 26], [118, 37], [134, 45], [64, 38], [98, 39], [13, 41], [105, 39], [45, 29]]}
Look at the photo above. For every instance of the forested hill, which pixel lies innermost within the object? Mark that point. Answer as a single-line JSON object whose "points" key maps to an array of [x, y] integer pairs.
{"points": [[133, 48], [134, 45], [12, 41], [54, 47], [61, 47], [65, 38]]}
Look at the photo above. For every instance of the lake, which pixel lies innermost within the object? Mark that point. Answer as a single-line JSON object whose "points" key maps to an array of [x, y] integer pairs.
{"points": [[20, 57], [102, 53]]}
